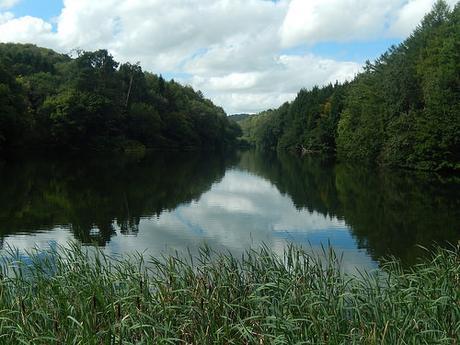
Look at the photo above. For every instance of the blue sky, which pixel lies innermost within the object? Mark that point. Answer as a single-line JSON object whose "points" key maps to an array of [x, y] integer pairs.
{"points": [[46, 9], [246, 55], [353, 51]]}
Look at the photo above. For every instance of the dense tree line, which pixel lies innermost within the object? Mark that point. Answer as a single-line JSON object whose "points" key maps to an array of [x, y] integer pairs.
{"points": [[402, 110], [93, 102], [309, 122]]}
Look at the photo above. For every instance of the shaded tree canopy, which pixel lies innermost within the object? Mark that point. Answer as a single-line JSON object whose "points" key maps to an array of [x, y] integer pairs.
{"points": [[51, 100], [401, 110]]}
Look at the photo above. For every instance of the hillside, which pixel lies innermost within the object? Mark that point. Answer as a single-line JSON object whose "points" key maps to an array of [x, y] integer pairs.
{"points": [[402, 110], [238, 117], [50, 100]]}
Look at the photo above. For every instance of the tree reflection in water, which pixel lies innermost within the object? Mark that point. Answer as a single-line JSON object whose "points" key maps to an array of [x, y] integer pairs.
{"points": [[387, 212]]}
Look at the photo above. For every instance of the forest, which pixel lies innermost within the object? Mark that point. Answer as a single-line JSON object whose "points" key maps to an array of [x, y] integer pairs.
{"points": [[402, 110], [91, 102]]}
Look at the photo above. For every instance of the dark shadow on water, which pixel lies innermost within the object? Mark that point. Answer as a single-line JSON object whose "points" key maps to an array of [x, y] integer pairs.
{"points": [[86, 194]]}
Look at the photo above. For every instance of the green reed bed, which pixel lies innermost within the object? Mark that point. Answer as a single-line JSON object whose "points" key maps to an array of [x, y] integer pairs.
{"points": [[82, 297]]}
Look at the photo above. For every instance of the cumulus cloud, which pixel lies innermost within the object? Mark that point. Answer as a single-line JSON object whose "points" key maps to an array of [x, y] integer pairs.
{"points": [[5, 17], [335, 20], [312, 21], [25, 30], [233, 50], [277, 83], [410, 15], [5, 4]]}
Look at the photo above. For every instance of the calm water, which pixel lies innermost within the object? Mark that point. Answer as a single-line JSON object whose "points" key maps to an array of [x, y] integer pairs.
{"points": [[173, 201]]}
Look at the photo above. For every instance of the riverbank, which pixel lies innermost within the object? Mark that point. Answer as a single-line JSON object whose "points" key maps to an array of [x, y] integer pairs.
{"points": [[73, 297]]}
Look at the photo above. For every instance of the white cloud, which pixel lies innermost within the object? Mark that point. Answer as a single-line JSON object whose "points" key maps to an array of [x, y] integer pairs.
{"points": [[312, 21], [410, 15], [279, 82], [6, 4], [335, 20], [231, 49], [5, 17], [25, 30]]}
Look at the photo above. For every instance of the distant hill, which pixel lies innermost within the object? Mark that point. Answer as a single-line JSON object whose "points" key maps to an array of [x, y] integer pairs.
{"points": [[238, 117]]}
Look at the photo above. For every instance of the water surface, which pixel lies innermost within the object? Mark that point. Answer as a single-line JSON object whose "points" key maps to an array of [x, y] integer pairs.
{"points": [[163, 202]]}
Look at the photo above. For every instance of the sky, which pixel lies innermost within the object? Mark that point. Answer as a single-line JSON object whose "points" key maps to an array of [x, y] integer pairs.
{"points": [[245, 55]]}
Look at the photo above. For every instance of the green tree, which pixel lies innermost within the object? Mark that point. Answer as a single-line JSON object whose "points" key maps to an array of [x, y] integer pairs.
{"points": [[14, 119]]}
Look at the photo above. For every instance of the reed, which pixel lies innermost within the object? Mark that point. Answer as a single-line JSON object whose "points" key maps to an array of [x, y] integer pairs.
{"points": [[76, 296]]}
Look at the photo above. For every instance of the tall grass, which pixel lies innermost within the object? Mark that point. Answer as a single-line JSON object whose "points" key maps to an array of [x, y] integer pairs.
{"points": [[78, 297]]}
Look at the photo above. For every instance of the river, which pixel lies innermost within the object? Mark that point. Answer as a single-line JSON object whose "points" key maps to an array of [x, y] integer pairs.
{"points": [[164, 201]]}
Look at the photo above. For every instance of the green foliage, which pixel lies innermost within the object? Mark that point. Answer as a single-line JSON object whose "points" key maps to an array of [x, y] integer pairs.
{"points": [[71, 296], [93, 102], [308, 123], [402, 110], [238, 117], [13, 118], [144, 123], [28, 59], [78, 118]]}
